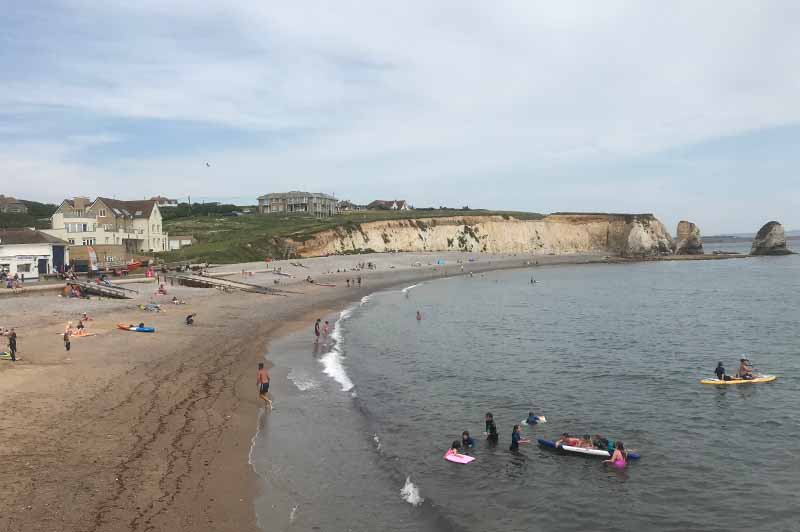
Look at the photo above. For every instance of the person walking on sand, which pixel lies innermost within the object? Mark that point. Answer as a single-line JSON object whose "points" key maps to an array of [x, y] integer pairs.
{"points": [[12, 344], [66, 341], [316, 331], [263, 385]]}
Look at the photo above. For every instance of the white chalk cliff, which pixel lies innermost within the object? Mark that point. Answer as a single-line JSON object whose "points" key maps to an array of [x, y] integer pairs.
{"points": [[627, 235]]}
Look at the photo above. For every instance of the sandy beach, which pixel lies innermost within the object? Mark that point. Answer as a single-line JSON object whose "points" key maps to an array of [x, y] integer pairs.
{"points": [[131, 431]]}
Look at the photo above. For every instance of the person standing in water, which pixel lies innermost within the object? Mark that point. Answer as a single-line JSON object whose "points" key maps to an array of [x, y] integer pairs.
{"points": [[263, 385], [620, 456], [516, 439], [419, 316], [316, 331], [326, 331], [491, 429]]}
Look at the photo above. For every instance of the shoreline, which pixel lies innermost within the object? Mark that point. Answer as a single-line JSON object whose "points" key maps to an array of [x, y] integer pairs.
{"points": [[130, 432]]}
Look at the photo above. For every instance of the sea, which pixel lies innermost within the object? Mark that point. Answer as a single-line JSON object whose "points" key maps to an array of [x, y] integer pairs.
{"points": [[362, 419]]}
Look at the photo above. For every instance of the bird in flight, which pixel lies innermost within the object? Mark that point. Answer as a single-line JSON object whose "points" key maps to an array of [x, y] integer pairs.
{"points": [[208, 164]]}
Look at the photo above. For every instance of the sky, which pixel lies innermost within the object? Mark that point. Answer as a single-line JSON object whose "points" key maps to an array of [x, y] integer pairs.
{"points": [[688, 110]]}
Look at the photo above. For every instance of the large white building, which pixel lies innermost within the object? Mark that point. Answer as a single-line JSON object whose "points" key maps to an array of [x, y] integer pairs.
{"points": [[31, 253], [136, 225]]}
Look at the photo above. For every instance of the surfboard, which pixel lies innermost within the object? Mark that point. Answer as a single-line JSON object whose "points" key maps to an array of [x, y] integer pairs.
{"points": [[756, 380], [581, 450], [135, 329], [7, 356], [459, 458]]}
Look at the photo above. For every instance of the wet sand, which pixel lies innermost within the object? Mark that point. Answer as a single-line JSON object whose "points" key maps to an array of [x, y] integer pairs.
{"points": [[134, 431]]}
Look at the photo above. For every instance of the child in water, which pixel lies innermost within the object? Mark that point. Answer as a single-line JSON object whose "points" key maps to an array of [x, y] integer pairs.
{"points": [[454, 448], [466, 440], [491, 429], [516, 439], [532, 419], [620, 456]]}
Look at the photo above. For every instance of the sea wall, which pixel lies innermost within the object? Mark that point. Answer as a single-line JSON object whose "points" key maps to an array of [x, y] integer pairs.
{"points": [[628, 235]]}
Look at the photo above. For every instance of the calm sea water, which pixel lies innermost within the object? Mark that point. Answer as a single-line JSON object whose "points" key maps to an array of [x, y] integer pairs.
{"points": [[357, 438]]}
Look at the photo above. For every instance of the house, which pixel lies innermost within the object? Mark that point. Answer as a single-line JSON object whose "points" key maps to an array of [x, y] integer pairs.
{"points": [[162, 202], [178, 242], [296, 202], [135, 225], [31, 253], [390, 205], [9, 205], [348, 206]]}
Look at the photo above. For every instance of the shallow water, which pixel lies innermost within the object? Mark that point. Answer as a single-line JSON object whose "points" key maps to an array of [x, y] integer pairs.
{"points": [[611, 349]]}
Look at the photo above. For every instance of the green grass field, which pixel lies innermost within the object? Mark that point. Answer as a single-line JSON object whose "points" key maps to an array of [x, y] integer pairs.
{"points": [[228, 240]]}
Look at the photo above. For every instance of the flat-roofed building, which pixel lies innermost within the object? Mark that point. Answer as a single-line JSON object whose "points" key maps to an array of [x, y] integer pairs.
{"points": [[296, 202]]}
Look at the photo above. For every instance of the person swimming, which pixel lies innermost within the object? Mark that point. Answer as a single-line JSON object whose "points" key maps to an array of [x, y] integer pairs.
{"points": [[466, 440], [620, 456], [491, 429], [532, 419]]}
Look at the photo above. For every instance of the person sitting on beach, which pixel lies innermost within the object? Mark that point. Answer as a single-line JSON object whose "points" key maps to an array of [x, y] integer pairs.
{"points": [[620, 457], [190, 319], [566, 439], [516, 439], [745, 369], [720, 373], [80, 326], [532, 419], [466, 440], [454, 448], [491, 429], [86, 317]]}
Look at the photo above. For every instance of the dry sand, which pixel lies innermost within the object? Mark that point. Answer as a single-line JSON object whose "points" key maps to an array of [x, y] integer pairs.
{"points": [[133, 431]]}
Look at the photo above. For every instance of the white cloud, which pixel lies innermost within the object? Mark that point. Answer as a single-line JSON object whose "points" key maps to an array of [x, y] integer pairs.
{"points": [[407, 99]]}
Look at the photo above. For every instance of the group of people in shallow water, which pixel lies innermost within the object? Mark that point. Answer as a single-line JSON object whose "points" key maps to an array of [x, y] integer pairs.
{"points": [[745, 371], [467, 441], [619, 455]]}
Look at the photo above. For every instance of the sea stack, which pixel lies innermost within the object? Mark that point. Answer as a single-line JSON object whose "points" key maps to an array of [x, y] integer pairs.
{"points": [[688, 241], [770, 240]]}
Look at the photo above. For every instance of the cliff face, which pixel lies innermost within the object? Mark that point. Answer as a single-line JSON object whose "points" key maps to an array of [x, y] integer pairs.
{"points": [[618, 234], [687, 240], [770, 240]]}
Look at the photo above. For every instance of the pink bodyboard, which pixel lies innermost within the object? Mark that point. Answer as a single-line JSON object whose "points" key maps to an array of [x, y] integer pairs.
{"points": [[459, 458]]}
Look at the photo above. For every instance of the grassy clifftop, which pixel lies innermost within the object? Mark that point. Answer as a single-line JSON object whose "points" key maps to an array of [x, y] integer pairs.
{"points": [[226, 240]]}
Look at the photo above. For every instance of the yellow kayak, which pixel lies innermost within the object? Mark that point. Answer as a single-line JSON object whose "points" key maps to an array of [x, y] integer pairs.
{"points": [[755, 380]]}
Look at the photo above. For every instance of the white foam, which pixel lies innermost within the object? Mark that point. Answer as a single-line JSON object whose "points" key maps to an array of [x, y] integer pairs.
{"points": [[365, 300], [332, 361], [410, 493], [407, 288], [302, 381]]}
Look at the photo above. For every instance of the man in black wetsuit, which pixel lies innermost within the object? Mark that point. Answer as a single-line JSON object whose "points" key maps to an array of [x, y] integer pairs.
{"points": [[491, 429]]}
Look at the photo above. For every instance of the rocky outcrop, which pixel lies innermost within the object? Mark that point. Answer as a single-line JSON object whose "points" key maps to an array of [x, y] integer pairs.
{"points": [[770, 240], [687, 239], [627, 235]]}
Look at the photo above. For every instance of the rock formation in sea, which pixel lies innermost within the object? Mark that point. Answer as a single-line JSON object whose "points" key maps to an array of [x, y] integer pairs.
{"points": [[770, 240], [687, 239], [627, 235]]}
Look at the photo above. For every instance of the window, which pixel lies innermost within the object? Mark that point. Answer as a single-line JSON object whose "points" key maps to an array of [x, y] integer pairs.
{"points": [[71, 241], [102, 213], [23, 268], [89, 241], [107, 239]]}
